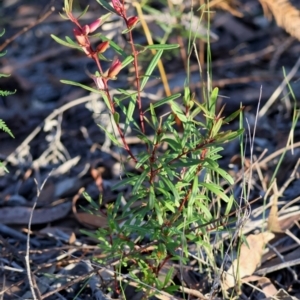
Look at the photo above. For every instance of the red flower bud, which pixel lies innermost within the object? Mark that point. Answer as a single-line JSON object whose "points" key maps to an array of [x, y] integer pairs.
{"points": [[81, 39], [118, 6], [102, 47], [94, 25], [132, 21], [114, 69]]}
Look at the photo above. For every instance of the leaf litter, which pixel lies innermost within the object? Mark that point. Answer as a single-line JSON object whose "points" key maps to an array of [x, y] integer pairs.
{"points": [[61, 256]]}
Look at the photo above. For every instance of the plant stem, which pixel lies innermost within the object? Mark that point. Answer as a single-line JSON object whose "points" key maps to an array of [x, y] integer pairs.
{"points": [[137, 78]]}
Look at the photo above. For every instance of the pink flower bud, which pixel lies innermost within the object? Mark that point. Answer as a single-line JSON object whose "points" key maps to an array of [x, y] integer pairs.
{"points": [[94, 25], [99, 82], [85, 29], [114, 69], [118, 6], [132, 21], [102, 47], [81, 39]]}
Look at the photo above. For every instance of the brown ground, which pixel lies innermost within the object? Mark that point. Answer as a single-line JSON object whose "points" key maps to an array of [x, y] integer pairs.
{"points": [[249, 54]]}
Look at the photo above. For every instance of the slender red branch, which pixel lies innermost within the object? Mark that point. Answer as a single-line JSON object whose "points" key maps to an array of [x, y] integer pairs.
{"points": [[137, 79]]}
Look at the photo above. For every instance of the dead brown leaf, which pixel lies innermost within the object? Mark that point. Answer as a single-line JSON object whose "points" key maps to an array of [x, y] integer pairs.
{"points": [[265, 284], [273, 221], [249, 259], [91, 221], [21, 215], [47, 193]]}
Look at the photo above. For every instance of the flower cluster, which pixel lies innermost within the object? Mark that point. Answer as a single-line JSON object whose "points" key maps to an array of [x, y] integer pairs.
{"points": [[120, 10], [81, 34]]}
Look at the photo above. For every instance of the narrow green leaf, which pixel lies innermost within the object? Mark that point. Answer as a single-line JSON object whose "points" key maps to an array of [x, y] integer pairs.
{"points": [[84, 12], [127, 30], [217, 190], [170, 206], [204, 208], [158, 213], [129, 112], [186, 96], [71, 42], [150, 68], [213, 164], [229, 204], [233, 115], [203, 108], [82, 86], [2, 32], [144, 139], [142, 159], [111, 136], [171, 186], [164, 101], [107, 6], [64, 43], [179, 113], [127, 61], [63, 16], [153, 117], [116, 117], [186, 163], [117, 48], [140, 180], [216, 127], [225, 175], [228, 136], [139, 229], [162, 46], [195, 188], [129, 180], [172, 143], [213, 99], [170, 173], [66, 6], [151, 197]]}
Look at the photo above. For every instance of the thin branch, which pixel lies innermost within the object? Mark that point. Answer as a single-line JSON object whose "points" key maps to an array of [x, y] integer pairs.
{"points": [[25, 29], [33, 287]]}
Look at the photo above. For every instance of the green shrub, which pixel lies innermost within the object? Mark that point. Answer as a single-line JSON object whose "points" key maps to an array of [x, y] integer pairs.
{"points": [[175, 193]]}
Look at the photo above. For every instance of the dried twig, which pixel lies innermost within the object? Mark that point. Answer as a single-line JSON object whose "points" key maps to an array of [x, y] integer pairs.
{"points": [[33, 286], [25, 29], [280, 88]]}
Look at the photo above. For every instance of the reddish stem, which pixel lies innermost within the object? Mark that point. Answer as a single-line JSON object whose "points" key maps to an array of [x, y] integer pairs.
{"points": [[112, 108], [137, 78]]}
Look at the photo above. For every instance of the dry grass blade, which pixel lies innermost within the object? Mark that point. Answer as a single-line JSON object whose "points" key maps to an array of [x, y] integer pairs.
{"points": [[286, 15], [273, 221]]}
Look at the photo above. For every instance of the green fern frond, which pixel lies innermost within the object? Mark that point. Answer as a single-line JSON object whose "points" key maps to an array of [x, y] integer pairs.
{"points": [[4, 75], [4, 127], [2, 166], [6, 93], [3, 53]]}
